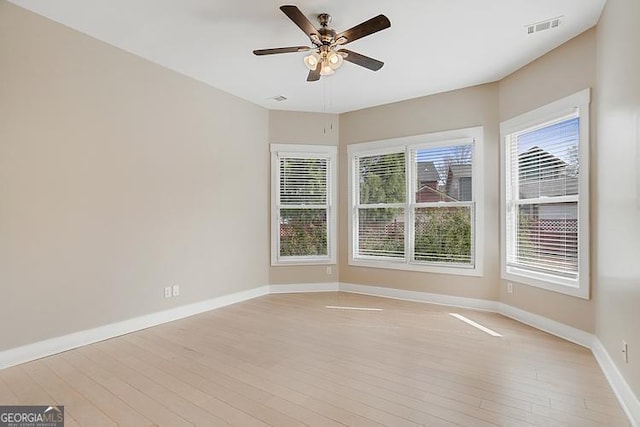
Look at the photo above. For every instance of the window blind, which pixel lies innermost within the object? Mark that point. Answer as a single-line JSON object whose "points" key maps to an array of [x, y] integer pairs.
{"points": [[543, 200], [303, 181], [443, 209], [303, 206], [381, 212]]}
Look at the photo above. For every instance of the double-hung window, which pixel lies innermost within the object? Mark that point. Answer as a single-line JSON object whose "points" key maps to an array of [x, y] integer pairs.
{"points": [[545, 196], [303, 198], [414, 205]]}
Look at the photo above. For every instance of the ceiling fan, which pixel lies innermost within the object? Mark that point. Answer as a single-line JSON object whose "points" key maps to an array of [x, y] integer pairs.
{"points": [[327, 53]]}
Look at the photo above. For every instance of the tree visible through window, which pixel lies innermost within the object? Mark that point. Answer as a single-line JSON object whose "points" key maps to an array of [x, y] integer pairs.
{"points": [[304, 218], [303, 206]]}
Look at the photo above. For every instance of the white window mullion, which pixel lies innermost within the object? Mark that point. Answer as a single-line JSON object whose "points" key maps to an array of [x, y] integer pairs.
{"points": [[411, 157]]}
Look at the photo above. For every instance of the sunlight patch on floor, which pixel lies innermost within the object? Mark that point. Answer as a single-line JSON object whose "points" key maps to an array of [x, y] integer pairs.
{"points": [[337, 307], [476, 325]]}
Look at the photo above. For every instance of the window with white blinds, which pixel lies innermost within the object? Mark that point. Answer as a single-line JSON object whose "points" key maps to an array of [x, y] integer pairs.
{"points": [[443, 203], [381, 205], [544, 194], [413, 202], [303, 223]]}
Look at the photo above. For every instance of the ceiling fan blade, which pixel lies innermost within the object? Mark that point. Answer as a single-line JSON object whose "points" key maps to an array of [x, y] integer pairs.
{"points": [[314, 75], [366, 28], [299, 19], [362, 60], [273, 51]]}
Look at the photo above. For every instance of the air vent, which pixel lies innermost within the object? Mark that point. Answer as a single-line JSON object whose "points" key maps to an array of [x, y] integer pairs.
{"points": [[543, 25], [279, 98]]}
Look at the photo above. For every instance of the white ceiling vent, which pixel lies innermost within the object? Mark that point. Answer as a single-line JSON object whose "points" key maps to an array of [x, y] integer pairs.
{"points": [[543, 25]]}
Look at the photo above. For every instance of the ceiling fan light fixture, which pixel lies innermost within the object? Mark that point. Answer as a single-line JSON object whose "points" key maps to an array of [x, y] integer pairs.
{"points": [[326, 69], [311, 61], [334, 60]]}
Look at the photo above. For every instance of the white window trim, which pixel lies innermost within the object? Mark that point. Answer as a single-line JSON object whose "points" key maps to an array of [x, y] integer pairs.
{"points": [[579, 287], [405, 144], [304, 151]]}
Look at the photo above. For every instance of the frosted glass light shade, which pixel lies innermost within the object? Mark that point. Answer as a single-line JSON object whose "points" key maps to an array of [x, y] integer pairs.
{"points": [[311, 61]]}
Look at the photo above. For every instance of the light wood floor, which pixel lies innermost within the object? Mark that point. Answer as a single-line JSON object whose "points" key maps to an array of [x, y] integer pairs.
{"points": [[288, 360]]}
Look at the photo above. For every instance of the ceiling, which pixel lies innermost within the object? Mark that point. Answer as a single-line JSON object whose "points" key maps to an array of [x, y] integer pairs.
{"points": [[432, 46]]}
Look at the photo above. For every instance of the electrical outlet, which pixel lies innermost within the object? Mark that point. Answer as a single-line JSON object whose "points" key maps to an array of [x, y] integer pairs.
{"points": [[509, 288], [176, 290], [167, 292], [329, 270], [625, 352]]}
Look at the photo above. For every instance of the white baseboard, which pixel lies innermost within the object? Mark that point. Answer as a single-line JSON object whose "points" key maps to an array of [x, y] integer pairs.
{"points": [[440, 299], [303, 287], [29, 352], [623, 392], [558, 329]]}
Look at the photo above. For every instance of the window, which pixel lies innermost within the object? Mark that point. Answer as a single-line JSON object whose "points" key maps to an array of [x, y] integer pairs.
{"points": [[413, 203], [303, 199], [545, 196]]}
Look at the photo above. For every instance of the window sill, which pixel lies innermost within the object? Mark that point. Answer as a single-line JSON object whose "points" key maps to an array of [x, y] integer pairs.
{"points": [[303, 261], [402, 265], [548, 282]]}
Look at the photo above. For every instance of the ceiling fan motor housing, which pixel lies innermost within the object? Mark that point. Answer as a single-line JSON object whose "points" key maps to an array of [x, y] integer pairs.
{"points": [[326, 35]]}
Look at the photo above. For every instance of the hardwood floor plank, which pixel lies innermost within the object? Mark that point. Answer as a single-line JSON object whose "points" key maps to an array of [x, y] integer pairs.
{"points": [[377, 404], [308, 359], [612, 419], [76, 405], [166, 397], [148, 407], [218, 384], [25, 389], [7, 397], [118, 410], [170, 375]]}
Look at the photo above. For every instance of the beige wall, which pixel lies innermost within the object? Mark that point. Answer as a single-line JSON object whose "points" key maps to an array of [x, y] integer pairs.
{"points": [[115, 182], [562, 72], [475, 106], [289, 127], [617, 198], [565, 70]]}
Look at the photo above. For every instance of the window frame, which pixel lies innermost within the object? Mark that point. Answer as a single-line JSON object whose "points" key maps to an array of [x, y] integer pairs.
{"points": [[546, 115], [328, 152], [408, 145]]}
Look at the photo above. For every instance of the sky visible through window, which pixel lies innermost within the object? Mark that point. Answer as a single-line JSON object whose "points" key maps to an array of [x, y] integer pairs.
{"points": [[442, 157], [436, 155], [555, 139]]}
